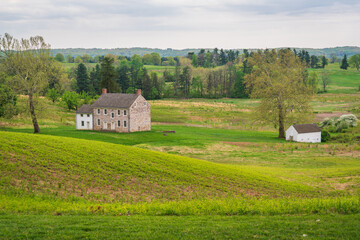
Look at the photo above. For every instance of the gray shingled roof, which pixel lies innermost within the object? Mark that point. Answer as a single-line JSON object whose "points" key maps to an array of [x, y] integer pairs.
{"points": [[307, 128], [85, 109], [115, 100]]}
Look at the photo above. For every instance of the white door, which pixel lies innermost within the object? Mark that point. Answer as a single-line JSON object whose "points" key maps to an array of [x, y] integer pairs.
{"points": [[105, 125], [112, 126]]}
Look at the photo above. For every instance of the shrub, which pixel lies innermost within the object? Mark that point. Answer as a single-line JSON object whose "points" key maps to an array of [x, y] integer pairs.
{"points": [[350, 118], [342, 125], [325, 136]]}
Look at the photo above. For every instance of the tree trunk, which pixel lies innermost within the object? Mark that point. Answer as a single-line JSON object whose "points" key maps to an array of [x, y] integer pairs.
{"points": [[281, 123], [33, 115]]}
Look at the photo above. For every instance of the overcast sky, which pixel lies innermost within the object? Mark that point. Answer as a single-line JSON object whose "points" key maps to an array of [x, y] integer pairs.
{"points": [[182, 24]]}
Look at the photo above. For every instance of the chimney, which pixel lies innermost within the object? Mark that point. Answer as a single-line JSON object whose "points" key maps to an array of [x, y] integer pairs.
{"points": [[138, 92], [104, 91]]}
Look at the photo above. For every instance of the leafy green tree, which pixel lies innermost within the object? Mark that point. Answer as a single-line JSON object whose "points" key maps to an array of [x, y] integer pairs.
{"points": [[59, 57], [354, 61], [52, 94], [185, 81], [69, 58], [344, 63], [194, 60], [78, 59], [325, 80], [147, 59], [8, 101], [29, 62], [171, 61], [71, 100], [277, 79], [156, 59], [86, 58], [82, 78], [312, 81], [108, 75]]}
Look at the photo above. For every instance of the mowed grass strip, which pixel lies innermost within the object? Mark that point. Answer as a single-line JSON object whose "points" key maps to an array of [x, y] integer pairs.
{"points": [[187, 227]]}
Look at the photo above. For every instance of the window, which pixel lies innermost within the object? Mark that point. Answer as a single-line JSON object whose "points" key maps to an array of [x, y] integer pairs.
{"points": [[118, 123], [88, 115], [98, 111], [98, 122], [144, 103], [81, 115], [105, 111], [134, 104], [124, 123], [112, 115], [124, 112], [82, 123], [119, 112]]}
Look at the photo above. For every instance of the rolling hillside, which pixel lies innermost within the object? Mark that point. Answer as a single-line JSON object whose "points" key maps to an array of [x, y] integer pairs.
{"points": [[99, 171]]}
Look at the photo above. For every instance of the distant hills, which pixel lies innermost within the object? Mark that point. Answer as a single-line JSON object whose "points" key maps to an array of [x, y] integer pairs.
{"points": [[338, 51]]}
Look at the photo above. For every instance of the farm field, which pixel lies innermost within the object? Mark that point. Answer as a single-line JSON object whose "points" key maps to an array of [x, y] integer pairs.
{"points": [[220, 175]]}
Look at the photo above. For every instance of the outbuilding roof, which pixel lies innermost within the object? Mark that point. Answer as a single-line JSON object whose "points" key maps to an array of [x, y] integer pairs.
{"points": [[85, 109], [306, 128], [115, 100]]}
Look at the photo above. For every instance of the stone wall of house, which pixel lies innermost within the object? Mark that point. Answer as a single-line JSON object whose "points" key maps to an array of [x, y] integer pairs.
{"points": [[140, 115], [109, 123]]}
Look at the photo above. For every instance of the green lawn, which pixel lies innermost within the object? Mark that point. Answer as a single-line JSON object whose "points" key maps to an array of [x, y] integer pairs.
{"points": [[325, 227]]}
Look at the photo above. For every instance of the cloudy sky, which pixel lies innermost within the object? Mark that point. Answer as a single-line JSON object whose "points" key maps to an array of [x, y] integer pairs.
{"points": [[182, 24]]}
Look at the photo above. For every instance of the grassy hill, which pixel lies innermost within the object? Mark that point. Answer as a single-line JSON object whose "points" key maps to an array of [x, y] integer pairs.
{"points": [[102, 171], [59, 175]]}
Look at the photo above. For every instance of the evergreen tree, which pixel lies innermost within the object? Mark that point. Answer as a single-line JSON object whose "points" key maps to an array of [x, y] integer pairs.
{"points": [[324, 61], [223, 58], [82, 78], [108, 75], [124, 76], [95, 79], [344, 63]]}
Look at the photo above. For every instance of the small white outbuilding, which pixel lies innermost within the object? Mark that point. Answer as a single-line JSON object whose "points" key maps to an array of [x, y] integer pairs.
{"points": [[304, 133], [84, 118]]}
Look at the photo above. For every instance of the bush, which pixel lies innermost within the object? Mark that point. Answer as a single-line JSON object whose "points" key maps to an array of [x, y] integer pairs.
{"points": [[342, 125], [325, 136], [350, 118], [8, 101]]}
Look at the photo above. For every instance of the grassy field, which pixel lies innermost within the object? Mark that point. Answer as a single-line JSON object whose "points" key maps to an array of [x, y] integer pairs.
{"points": [[219, 176], [342, 81], [188, 227]]}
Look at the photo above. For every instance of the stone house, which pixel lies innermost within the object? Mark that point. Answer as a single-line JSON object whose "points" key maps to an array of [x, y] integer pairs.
{"points": [[304, 133], [116, 112]]}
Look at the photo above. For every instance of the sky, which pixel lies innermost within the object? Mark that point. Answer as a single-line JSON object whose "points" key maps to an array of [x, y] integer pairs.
{"points": [[180, 24]]}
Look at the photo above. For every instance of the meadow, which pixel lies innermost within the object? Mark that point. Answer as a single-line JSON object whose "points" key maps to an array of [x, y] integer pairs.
{"points": [[219, 176]]}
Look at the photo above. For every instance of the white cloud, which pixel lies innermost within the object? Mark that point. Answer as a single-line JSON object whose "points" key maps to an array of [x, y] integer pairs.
{"points": [[185, 23]]}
